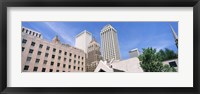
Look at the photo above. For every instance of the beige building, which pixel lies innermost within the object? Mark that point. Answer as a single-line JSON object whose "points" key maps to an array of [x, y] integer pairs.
{"points": [[39, 55], [109, 43], [93, 56]]}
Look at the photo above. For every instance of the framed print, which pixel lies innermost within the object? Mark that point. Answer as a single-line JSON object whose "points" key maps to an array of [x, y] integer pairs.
{"points": [[109, 46]]}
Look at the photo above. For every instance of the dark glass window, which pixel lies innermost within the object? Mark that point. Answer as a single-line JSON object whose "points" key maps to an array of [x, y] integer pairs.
{"points": [[24, 41], [47, 48], [33, 44], [40, 46], [35, 69], [26, 67], [43, 69]]}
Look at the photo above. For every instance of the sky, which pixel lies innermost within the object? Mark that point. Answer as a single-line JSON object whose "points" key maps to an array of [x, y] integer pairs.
{"points": [[131, 35]]}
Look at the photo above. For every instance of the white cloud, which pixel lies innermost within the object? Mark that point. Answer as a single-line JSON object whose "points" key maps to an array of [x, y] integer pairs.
{"points": [[62, 30]]}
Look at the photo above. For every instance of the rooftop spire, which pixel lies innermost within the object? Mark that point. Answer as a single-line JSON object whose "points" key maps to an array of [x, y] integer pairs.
{"points": [[174, 34]]}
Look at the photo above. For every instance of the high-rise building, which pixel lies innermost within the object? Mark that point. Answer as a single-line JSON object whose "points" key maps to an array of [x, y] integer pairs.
{"points": [[82, 40], [39, 55], [134, 53], [93, 56], [109, 43], [175, 36]]}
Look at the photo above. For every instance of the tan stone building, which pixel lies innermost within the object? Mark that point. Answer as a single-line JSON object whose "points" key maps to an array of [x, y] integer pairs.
{"points": [[39, 55], [93, 56]]}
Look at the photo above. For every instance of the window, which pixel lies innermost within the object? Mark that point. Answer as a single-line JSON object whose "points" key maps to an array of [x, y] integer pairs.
{"points": [[70, 60], [69, 66], [82, 58], [36, 34], [78, 68], [63, 71], [82, 69], [65, 53], [78, 62], [37, 60], [39, 35], [70, 54], [54, 50], [74, 56], [45, 62], [30, 32], [35, 69], [65, 59], [26, 67], [53, 56], [57, 70], [23, 49], [46, 54], [74, 67], [51, 70], [40, 46], [26, 31], [58, 64], [43, 69], [28, 59], [74, 62], [52, 63], [33, 44], [82, 63], [78, 57], [60, 51], [59, 57], [24, 41], [47, 48], [22, 29], [31, 51], [64, 65], [33, 33], [39, 53], [173, 64]]}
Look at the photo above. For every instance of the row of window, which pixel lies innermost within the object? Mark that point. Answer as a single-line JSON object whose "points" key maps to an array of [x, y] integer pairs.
{"points": [[31, 33], [26, 67], [40, 46], [52, 63]]}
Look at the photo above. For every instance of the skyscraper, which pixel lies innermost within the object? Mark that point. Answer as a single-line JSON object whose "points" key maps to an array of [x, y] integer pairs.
{"points": [[109, 43], [93, 56], [175, 36], [82, 40]]}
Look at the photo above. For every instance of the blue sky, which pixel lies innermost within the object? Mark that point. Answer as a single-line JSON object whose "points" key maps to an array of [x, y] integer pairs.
{"points": [[130, 34]]}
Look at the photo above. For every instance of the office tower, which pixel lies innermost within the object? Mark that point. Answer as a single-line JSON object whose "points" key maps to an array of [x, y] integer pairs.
{"points": [[93, 56], [82, 40], [134, 53], [39, 55], [109, 43]]}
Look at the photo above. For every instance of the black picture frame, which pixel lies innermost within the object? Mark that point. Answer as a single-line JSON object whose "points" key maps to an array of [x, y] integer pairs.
{"points": [[99, 3]]}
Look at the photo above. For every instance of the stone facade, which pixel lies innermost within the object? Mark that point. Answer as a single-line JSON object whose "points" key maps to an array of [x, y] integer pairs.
{"points": [[93, 56], [39, 55]]}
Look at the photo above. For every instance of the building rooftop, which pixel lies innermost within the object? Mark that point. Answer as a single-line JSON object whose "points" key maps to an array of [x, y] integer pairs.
{"points": [[84, 31]]}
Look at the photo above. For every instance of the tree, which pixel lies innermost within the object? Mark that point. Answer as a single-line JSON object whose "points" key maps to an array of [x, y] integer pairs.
{"points": [[151, 61]]}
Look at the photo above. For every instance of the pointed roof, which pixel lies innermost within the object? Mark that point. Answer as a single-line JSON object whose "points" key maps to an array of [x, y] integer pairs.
{"points": [[56, 39], [173, 32]]}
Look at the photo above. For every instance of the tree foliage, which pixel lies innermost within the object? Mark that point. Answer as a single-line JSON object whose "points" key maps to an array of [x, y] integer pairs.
{"points": [[151, 61]]}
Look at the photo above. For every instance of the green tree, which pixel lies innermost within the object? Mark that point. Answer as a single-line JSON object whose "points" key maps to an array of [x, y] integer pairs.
{"points": [[151, 61]]}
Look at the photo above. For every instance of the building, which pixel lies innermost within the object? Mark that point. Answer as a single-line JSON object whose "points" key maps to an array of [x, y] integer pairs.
{"points": [[172, 63], [134, 53], [82, 40], [93, 56], [109, 43], [39, 55], [129, 65], [175, 36]]}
